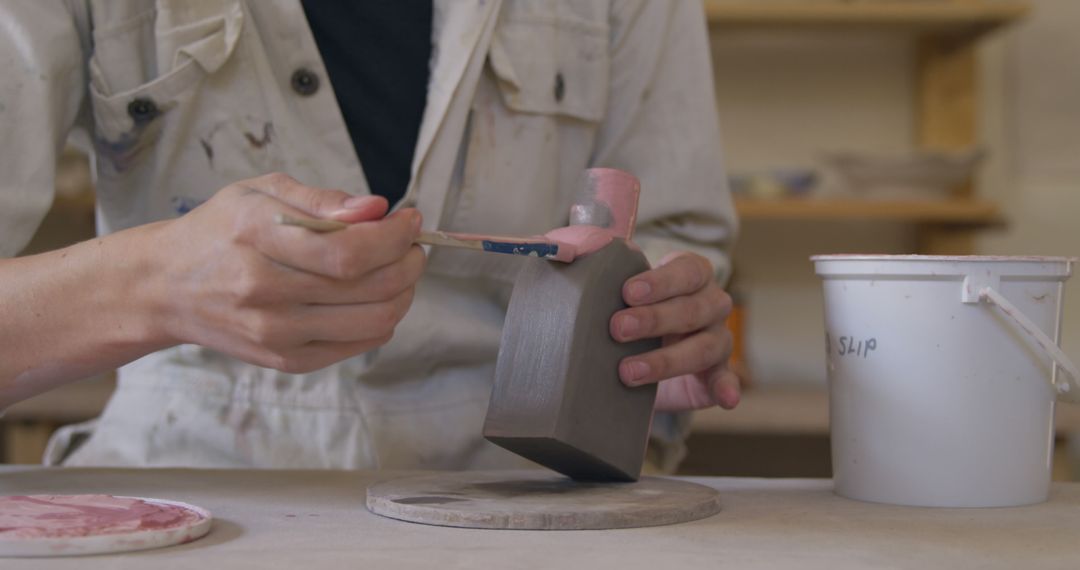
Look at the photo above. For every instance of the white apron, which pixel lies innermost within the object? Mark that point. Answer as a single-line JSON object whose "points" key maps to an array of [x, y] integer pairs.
{"points": [[523, 96]]}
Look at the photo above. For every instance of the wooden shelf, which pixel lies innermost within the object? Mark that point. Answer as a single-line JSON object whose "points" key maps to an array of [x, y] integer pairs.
{"points": [[805, 411], [765, 410], [955, 211], [941, 16], [75, 402]]}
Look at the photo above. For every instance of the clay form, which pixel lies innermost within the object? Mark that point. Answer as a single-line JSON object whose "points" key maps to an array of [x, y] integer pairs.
{"points": [[604, 209], [557, 398], [66, 525], [539, 500], [608, 199]]}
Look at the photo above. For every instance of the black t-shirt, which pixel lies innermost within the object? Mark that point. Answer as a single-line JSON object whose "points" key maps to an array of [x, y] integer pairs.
{"points": [[377, 53]]}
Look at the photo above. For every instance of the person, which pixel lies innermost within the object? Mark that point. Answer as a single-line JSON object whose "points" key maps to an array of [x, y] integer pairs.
{"points": [[241, 342]]}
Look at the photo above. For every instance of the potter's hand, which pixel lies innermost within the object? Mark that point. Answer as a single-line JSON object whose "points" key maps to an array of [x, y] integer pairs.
{"points": [[286, 297], [679, 301]]}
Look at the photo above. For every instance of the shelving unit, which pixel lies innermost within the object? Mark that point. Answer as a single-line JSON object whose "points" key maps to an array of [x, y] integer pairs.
{"points": [[784, 432], [805, 411], [945, 36], [942, 16], [966, 212]]}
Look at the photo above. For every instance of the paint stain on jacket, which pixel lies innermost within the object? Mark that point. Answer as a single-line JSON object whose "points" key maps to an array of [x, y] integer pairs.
{"points": [[267, 136], [239, 147], [184, 204], [208, 149], [120, 154]]}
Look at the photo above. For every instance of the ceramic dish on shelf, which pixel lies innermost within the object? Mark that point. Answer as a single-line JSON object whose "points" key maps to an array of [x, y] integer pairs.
{"points": [[919, 175], [775, 183]]}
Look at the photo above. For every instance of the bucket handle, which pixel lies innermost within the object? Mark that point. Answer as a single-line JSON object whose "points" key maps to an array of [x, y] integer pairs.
{"points": [[1070, 390]]}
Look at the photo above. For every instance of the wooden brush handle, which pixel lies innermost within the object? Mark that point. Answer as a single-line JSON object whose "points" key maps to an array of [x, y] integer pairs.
{"points": [[426, 238]]}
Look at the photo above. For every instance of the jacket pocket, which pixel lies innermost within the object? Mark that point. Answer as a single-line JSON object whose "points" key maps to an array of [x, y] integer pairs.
{"points": [[534, 120], [143, 65], [552, 65]]}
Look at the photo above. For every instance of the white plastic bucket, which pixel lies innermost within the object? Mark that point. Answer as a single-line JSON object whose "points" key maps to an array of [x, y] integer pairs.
{"points": [[942, 376]]}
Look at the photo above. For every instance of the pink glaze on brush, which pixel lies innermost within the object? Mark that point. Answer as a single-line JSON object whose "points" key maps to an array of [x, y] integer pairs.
{"points": [[493, 237], [64, 516], [605, 209]]}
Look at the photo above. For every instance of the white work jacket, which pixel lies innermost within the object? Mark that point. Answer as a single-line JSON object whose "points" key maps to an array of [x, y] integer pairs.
{"points": [[183, 97]]}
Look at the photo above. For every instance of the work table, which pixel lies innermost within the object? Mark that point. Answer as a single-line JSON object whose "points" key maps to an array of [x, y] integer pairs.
{"points": [[317, 519]]}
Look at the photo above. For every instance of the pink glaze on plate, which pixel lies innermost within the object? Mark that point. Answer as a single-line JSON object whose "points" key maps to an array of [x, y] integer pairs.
{"points": [[66, 516]]}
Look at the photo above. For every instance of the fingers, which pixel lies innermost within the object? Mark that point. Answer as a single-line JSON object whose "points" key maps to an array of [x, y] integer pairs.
{"points": [[308, 358], [361, 209], [261, 199], [305, 338], [682, 274], [318, 355], [678, 315], [680, 302], [319, 202], [385, 282], [347, 254], [270, 284], [683, 393], [690, 392], [725, 387], [369, 242], [693, 354], [349, 323], [286, 297]]}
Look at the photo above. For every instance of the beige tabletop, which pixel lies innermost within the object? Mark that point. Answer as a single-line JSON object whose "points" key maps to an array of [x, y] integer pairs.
{"points": [[312, 520]]}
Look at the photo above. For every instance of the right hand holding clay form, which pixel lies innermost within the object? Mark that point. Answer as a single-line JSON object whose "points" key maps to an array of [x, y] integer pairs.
{"points": [[284, 297]]}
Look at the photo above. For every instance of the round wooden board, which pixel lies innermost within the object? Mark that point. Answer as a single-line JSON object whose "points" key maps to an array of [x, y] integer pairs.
{"points": [[539, 500]]}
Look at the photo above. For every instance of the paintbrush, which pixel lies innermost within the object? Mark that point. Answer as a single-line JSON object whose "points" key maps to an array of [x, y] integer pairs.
{"points": [[512, 245]]}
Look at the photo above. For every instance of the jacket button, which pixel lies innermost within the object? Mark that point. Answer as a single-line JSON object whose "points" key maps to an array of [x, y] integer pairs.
{"points": [[560, 87], [305, 82], [142, 110]]}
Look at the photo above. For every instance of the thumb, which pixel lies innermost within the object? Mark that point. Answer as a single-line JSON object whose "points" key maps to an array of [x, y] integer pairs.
{"points": [[321, 202], [360, 209]]}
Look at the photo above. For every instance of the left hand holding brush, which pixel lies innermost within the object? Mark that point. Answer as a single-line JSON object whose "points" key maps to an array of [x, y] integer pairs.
{"points": [[279, 296], [680, 301]]}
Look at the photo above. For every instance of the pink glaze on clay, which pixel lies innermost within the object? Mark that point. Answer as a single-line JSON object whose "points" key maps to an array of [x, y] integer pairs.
{"points": [[576, 241], [619, 191], [65, 516]]}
